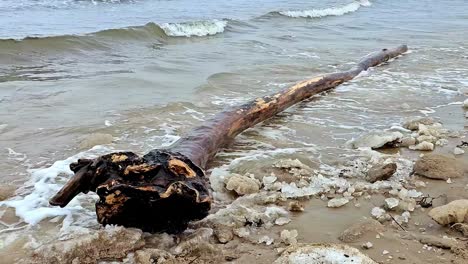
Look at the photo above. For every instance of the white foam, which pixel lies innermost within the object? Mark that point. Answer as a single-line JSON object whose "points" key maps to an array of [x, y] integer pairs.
{"points": [[196, 28], [333, 11], [32, 202]]}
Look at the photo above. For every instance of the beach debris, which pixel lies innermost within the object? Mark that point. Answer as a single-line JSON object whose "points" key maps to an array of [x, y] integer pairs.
{"points": [[358, 230], [426, 146], [391, 203], [381, 172], [438, 167], [367, 245], [451, 213], [322, 253], [377, 140], [165, 189], [337, 202], [108, 243], [289, 237], [458, 151], [242, 184]]}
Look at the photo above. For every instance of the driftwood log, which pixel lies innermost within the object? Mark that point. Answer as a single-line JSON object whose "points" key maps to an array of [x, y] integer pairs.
{"points": [[165, 189]]}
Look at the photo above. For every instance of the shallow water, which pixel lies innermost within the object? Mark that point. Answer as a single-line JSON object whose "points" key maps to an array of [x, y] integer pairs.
{"points": [[148, 71]]}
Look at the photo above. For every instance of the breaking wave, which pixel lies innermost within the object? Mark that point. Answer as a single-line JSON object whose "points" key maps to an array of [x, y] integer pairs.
{"points": [[196, 28], [101, 38], [332, 11]]}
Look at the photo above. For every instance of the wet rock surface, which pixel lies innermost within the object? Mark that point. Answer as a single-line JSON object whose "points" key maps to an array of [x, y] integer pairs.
{"points": [[439, 167], [453, 212], [381, 172]]}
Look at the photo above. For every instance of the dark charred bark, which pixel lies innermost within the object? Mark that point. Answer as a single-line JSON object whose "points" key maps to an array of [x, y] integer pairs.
{"points": [[166, 189]]}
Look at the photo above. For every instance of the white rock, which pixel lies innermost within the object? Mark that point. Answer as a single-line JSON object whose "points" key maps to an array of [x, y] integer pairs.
{"points": [[385, 252], [449, 181], [289, 237], [378, 212], [458, 151], [367, 245], [266, 239], [407, 205], [419, 184], [465, 103], [242, 184], [391, 203], [376, 140], [423, 146], [282, 221], [337, 202]]}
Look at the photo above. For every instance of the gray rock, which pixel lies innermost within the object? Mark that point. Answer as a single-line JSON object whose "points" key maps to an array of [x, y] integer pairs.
{"points": [[439, 167], [381, 172]]}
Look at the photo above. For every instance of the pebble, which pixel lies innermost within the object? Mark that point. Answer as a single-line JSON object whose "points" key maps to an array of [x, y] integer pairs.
{"points": [[367, 245], [385, 252], [423, 146], [337, 202], [289, 237], [449, 181], [391, 203], [295, 206], [458, 151]]}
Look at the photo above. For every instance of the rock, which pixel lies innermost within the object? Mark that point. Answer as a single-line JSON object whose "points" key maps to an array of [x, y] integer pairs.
{"points": [[282, 221], [381, 172], [465, 103], [461, 227], [439, 167], [295, 206], [109, 243], [445, 243], [408, 141], [323, 253], [6, 191], [96, 139], [154, 255], [414, 124], [358, 230], [337, 202], [407, 205], [198, 241], [391, 203], [242, 184], [423, 146], [458, 151], [289, 237], [266, 239], [367, 245], [453, 212], [379, 214], [378, 140], [427, 138], [224, 235]]}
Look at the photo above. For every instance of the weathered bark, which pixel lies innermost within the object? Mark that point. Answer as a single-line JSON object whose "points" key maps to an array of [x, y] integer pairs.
{"points": [[165, 189]]}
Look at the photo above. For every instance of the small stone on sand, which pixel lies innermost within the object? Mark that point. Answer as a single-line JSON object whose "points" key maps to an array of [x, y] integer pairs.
{"points": [[337, 202], [381, 172]]}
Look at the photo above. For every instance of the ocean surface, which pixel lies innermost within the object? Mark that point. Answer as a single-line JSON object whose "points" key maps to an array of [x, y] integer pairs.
{"points": [[146, 71]]}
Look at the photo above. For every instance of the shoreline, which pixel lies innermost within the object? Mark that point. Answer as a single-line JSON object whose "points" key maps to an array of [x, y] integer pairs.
{"points": [[252, 227]]}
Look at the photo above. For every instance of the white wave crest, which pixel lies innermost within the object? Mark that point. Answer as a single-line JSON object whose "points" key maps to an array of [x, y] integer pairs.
{"points": [[333, 11], [196, 28]]}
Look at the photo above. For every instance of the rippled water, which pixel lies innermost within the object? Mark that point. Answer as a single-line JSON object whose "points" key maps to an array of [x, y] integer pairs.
{"points": [[148, 71]]}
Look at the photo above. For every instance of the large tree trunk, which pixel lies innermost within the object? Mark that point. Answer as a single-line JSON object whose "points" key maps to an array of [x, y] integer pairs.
{"points": [[165, 189]]}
